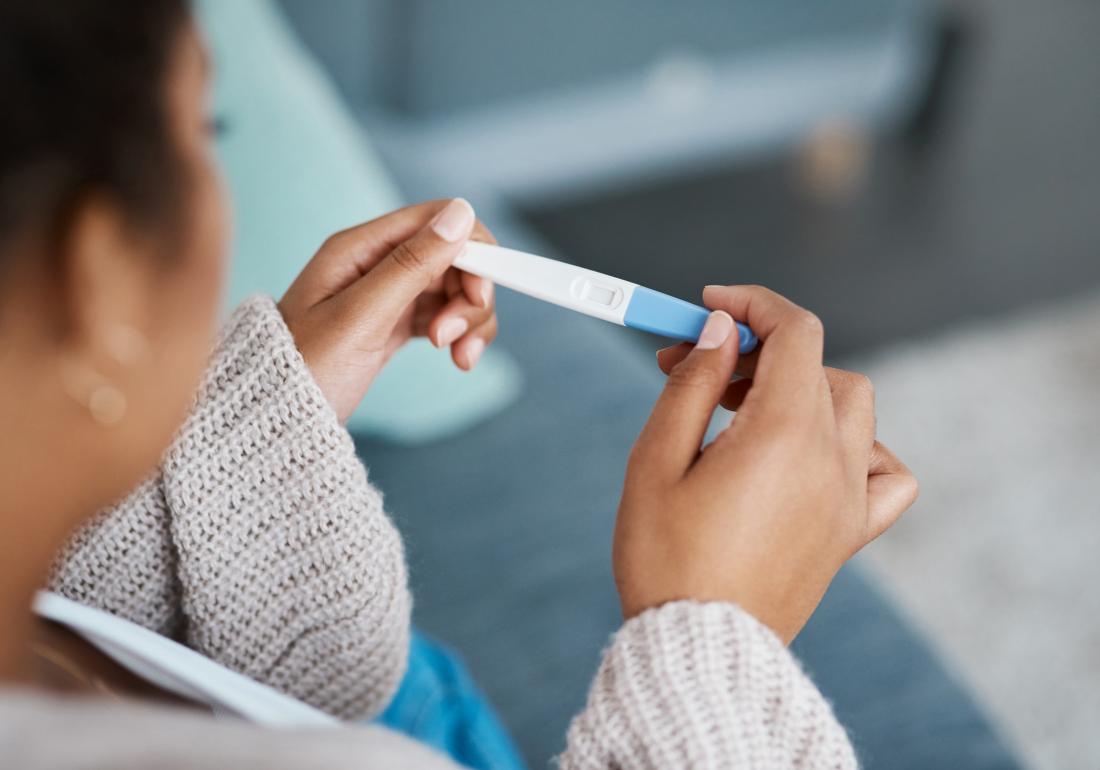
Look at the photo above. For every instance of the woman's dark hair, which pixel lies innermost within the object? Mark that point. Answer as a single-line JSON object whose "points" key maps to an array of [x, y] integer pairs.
{"points": [[83, 87]]}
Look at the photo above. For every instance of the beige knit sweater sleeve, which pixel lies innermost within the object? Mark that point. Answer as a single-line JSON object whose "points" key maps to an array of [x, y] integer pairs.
{"points": [[260, 542], [262, 545], [690, 685]]}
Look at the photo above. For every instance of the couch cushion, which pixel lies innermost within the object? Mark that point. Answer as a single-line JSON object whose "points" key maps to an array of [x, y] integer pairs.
{"points": [[299, 169]]}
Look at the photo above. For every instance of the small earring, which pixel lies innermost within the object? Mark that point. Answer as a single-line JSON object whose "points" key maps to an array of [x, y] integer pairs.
{"points": [[104, 401], [107, 405]]}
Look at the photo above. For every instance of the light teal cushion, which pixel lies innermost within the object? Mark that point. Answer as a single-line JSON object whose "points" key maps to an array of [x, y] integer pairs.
{"points": [[299, 169]]}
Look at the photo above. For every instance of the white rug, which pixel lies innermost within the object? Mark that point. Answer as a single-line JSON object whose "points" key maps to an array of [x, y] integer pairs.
{"points": [[1000, 558]]}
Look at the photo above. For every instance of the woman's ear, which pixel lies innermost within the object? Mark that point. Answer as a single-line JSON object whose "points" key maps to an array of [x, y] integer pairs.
{"points": [[108, 278]]}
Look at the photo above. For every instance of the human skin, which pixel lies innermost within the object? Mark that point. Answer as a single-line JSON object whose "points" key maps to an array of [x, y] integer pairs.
{"points": [[365, 293], [766, 514]]}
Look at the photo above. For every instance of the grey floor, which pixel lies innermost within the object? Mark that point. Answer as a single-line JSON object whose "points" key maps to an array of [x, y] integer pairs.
{"points": [[964, 276], [1000, 420]]}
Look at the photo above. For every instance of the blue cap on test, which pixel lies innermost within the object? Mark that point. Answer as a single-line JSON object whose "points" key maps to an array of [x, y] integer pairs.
{"points": [[669, 316]]}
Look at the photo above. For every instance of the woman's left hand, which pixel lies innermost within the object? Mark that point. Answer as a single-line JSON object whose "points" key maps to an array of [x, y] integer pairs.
{"points": [[371, 288]]}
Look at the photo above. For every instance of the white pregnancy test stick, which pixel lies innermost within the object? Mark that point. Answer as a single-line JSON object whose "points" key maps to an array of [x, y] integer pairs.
{"points": [[595, 294]]}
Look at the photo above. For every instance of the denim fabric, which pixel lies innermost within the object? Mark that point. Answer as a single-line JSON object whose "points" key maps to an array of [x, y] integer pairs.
{"points": [[439, 704]]}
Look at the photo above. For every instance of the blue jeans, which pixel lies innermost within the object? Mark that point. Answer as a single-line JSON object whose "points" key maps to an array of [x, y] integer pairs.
{"points": [[439, 704]]}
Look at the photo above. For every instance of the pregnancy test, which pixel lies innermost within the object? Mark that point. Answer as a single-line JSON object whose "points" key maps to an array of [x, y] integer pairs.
{"points": [[595, 294]]}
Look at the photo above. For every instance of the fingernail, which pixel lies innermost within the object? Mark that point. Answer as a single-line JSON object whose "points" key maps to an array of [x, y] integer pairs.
{"points": [[455, 221], [473, 351], [716, 331], [451, 329], [486, 292]]}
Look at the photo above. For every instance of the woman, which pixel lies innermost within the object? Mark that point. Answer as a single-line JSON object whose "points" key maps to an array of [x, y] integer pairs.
{"points": [[242, 523]]}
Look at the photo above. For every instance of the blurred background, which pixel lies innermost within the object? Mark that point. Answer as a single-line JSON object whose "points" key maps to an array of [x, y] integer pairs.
{"points": [[925, 176]]}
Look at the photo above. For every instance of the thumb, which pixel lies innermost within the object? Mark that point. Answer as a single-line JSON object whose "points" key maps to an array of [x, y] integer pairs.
{"points": [[670, 441], [383, 294], [891, 489]]}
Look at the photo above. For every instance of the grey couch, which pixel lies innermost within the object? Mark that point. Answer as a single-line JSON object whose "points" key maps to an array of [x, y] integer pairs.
{"points": [[509, 525], [508, 530]]}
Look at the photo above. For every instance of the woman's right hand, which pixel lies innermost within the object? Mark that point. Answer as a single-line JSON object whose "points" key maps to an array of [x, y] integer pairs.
{"points": [[371, 288], [766, 514]]}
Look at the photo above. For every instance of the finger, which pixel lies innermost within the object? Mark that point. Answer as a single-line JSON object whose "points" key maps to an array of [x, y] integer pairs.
{"points": [[479, 290], [891, 490], [789, 368], [854, 411], [456, 318], [382, 235], [467, 351], [378, 299], [452, 282], [735, 395], [349, 254], [736, 391], [671, 438], [669, 357], [425, 311], [483, 234], [853, 405]]}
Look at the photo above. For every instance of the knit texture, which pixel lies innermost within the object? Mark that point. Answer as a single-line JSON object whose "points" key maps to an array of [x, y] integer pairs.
{"points": [[123, 561], [261, 544], [703, 686], [683, 687], [261, 533]]}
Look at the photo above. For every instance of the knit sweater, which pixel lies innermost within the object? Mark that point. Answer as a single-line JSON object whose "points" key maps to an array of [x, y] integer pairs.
{"points": [[261, 543]]}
